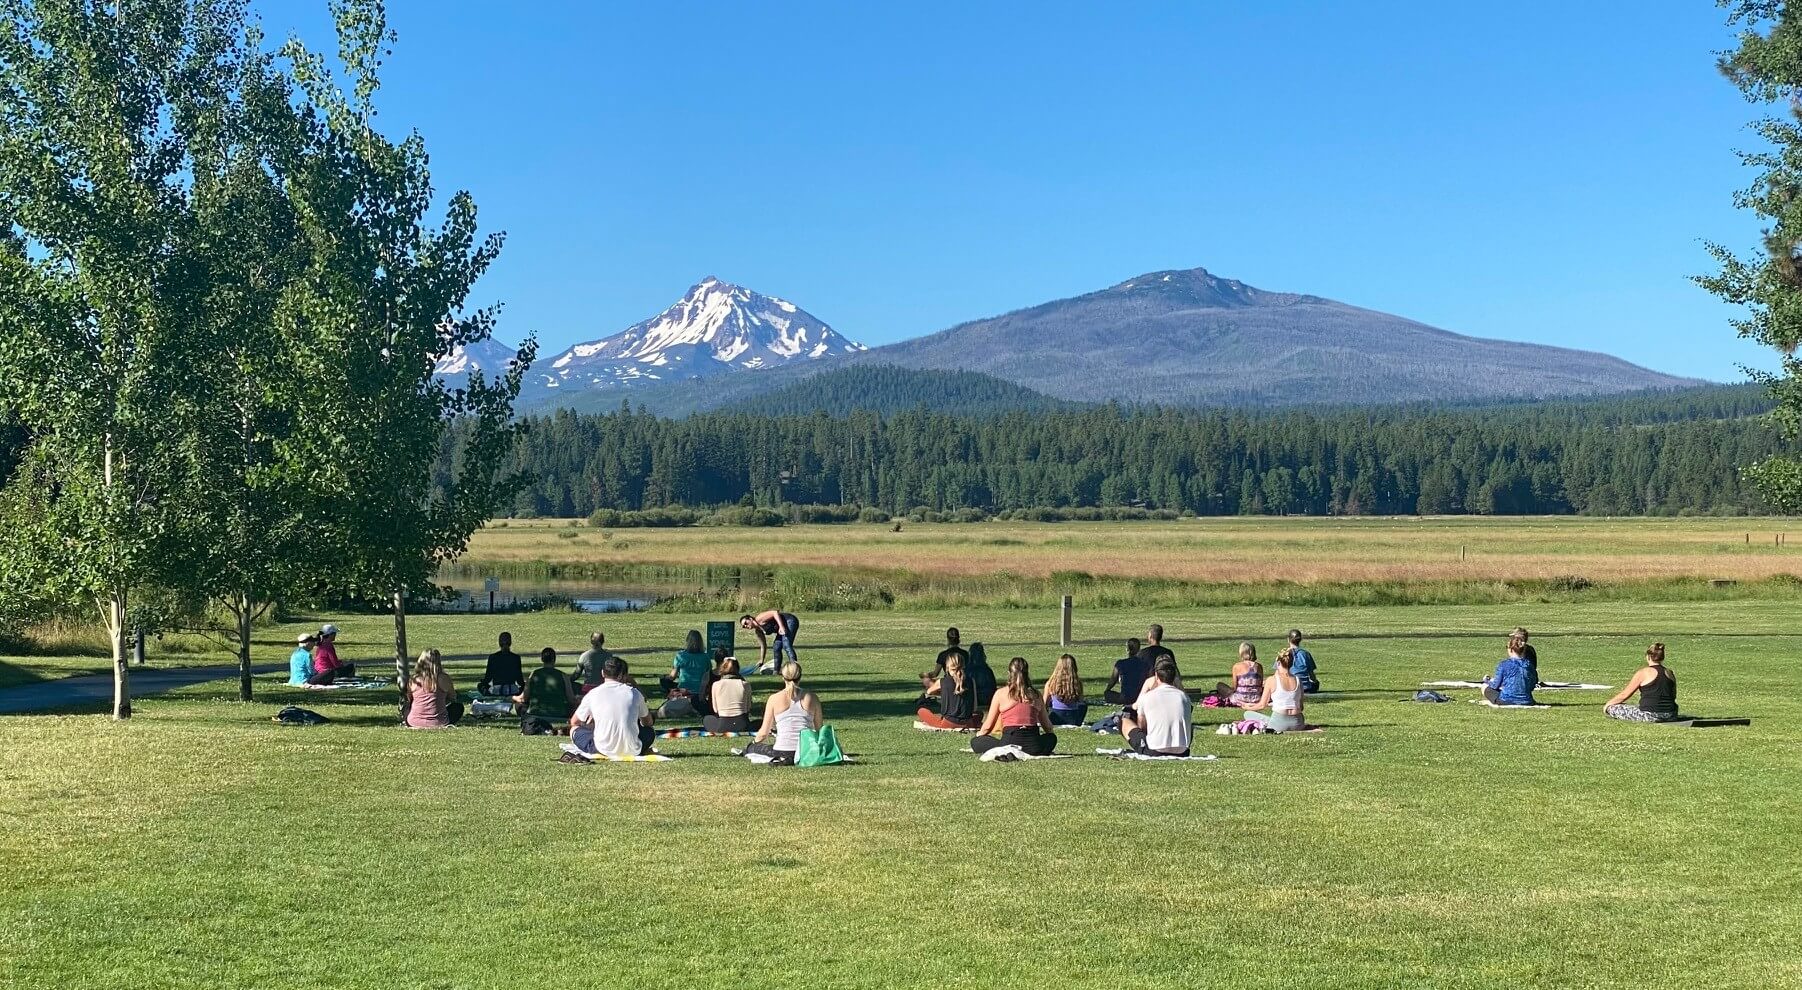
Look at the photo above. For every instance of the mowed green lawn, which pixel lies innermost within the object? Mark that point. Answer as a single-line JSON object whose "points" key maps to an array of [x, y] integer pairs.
{"points": [[1409, 846]]}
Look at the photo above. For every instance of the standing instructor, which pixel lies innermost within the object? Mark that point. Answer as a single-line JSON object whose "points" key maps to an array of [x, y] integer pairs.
{"points": [[783, 626]]}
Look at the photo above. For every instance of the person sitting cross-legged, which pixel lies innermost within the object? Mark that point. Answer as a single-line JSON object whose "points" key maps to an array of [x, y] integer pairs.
{"points": [[588, 665], [1514, 679], [688, 670], [730, 705], [1064, 694], [300, 662], [613, 720], [1130, 674], [1159, 722], [327, 668], [1657, 688], [504, 674], [1302, 664], [929, 681], [430, 696], [547, 698], [1019, 713], [957, 699], [789, 712], [1282, 695], [1247, 688]]}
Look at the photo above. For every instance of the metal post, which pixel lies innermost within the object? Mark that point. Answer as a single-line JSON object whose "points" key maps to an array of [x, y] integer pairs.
{"points": [[1064, 628]]}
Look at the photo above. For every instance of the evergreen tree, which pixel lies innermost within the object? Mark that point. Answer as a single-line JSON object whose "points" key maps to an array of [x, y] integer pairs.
{"points": [[1767, 68]]}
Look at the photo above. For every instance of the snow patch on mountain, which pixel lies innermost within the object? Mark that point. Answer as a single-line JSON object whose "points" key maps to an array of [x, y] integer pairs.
{"points": [[490, 357], [715, 327]]}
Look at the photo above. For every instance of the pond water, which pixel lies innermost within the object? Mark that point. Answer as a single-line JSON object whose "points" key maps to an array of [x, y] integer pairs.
{"points": [[625, 590]]}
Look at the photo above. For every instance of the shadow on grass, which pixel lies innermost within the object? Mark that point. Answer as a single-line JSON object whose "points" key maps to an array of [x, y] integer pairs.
{"points": [[13, 675]]}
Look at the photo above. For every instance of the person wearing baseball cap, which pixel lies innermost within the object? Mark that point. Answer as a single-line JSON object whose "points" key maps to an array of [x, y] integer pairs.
{"points": [[327, 668], [300, 662]]}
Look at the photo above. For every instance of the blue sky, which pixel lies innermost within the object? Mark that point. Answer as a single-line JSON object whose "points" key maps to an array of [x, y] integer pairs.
{"points": [[1532, 171]]}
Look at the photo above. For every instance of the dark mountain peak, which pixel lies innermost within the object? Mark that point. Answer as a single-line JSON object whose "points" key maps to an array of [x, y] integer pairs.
{"points": [[1197, 288], [1191, 337]]}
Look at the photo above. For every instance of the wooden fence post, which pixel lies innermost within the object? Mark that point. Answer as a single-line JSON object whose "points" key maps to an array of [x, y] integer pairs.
{"points": [[1063, 638]]}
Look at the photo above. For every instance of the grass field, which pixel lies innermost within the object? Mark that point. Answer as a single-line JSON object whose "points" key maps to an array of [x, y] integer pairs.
{"points": [[1238, 550], [1408, 846]]}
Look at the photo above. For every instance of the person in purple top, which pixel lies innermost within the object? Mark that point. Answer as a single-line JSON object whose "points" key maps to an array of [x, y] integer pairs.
{"points": [[1063, 693]]}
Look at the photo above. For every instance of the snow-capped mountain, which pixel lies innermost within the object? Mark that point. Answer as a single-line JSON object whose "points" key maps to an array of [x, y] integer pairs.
{"points": [[716, 327], [490, 357]]}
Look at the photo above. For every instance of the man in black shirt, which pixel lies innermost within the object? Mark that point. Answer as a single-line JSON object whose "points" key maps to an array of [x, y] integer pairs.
{"points": [[503, 675], [1155, 650], [1154, 645], [930, 679], [1132, 672]]}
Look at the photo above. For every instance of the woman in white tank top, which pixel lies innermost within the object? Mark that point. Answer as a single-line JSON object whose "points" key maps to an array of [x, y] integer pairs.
{"points": [[1283, 696], [786, 714]]}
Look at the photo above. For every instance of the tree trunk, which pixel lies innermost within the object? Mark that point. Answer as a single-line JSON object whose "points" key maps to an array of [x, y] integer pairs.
{"points": [[245, 605], [115, 627], [401, 666]]}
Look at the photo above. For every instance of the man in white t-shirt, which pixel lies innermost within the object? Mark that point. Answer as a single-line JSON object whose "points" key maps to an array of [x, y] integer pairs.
{"points": [[1158, 724], [613, 719]]}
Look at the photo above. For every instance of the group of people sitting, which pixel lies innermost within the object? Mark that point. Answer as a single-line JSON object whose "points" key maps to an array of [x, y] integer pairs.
{"points": [[1517, 676], [314, 662], [605, 712], [602, 707], [961, 693]]}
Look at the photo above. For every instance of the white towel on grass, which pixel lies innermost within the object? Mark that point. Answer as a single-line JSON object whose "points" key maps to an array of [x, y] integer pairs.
{"points": [[763, 759], [1547, 686], [1019, 754], [1128, 754]]}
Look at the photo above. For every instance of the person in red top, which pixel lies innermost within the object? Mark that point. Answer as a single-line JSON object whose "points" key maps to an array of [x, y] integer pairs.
{"points": [[1018, 710], [327, 668]]}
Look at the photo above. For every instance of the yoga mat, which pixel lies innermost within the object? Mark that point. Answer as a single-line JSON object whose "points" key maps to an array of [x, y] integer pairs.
{"points": [[699, 734], [598, 758], [350, 684], [1706, 723], [1127, 754], [1485, 704]]}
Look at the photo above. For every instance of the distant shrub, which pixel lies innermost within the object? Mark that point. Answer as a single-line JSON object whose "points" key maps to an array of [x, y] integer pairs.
{"points": [[643, 518], [744, 516], [872, 515], [1089, 513], [821, 513]]}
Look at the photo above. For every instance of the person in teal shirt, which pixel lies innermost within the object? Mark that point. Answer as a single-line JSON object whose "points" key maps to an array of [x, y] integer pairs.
{"points": [[689, 669], [300, 662]]}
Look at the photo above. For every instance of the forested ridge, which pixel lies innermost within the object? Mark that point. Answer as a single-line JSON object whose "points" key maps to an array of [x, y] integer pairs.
{"points": [[1655, 453]]}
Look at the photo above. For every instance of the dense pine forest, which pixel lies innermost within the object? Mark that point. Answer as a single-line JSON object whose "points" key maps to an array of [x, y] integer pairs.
{"points": [[1661, 454]]}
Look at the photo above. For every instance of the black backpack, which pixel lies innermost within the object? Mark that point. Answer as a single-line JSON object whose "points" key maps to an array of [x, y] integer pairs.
{"points": [[296, 715]]}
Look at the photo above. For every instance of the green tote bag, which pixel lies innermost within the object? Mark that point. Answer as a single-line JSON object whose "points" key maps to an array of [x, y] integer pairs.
{"points": [[819, 748]]}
